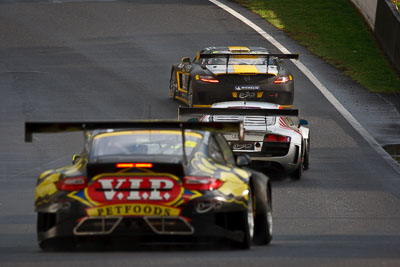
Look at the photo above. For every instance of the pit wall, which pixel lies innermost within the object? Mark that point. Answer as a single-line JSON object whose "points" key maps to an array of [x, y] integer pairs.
{"points": [[384, 20], [367, 9]]}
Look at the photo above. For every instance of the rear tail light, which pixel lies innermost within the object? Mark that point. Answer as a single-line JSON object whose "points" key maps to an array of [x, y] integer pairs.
{"points": [[134, 165], [283, 79], [208, 79], [72, 183], [276, 138], [201, 183]]}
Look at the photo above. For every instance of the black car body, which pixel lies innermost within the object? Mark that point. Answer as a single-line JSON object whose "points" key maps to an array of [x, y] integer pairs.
{"points": [[138, 181], [232, 73]]}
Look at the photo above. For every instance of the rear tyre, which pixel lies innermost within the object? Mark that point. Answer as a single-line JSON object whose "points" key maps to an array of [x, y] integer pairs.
{"points": [[57, 244], [173, 85], [192, 100], [306, 163], [296, 175], [247, 223], [46, 221], [263, 222]]}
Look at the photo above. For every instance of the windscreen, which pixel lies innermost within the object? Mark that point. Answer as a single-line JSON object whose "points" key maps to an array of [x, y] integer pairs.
{"points": [[144, 142]]}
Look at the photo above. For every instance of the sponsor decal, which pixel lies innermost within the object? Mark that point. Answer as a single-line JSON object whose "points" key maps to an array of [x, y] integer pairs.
{"points": [[134, 188], [138, 209], [242, 146], [247, 87]]}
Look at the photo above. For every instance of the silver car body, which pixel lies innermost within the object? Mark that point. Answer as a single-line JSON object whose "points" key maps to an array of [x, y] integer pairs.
{"points": [[285, 155]]}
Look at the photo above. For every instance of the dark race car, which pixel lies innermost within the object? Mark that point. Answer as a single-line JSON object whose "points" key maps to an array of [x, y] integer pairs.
{"points": [[232, 73], [151, 181]]}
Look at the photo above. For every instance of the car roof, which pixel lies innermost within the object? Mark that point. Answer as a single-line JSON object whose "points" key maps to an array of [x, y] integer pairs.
{"points": [[249, 104], [233, 50]]}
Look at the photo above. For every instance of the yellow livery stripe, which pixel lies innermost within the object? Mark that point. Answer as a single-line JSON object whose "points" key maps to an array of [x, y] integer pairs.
{"points": [[201, 106], [238, 49], [245, 69], [182, 99]]}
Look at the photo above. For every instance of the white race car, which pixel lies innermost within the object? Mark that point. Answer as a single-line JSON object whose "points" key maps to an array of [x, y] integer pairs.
{"points": [[274, 138]]}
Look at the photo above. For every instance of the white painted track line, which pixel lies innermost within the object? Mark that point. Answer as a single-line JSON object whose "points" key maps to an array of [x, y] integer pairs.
{"points": [[328, 95]]}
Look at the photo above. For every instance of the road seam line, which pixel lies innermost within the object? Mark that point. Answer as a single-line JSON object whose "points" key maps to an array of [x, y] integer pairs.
{"points": [[328, 95]]}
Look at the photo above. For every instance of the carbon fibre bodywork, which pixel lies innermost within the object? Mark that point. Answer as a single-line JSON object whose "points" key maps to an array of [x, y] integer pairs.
{"points": [[232, 73], [163, 196]]}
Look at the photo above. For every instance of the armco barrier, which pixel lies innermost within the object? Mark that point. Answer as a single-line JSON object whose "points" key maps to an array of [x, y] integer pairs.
{"points": [[387, 31]]}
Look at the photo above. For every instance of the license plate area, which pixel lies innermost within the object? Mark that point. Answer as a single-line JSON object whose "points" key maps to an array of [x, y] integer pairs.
{"points": [[249, 95], [242, 146]]}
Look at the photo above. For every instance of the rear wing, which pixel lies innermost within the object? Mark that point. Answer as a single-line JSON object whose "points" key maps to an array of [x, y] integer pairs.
{"points": [[266, 55], [185, 113], [59, 127]]}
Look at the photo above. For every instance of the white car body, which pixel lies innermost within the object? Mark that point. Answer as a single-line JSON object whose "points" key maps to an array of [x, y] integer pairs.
{"points": [[287, 155]]}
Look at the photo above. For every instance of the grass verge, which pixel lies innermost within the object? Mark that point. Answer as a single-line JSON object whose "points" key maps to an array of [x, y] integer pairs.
{"points": [[336, 32], [397, 3], [394, 151]]}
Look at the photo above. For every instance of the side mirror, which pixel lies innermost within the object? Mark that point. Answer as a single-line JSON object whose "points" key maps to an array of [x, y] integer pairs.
{"points": [[185, 60], [75, 158], [303, 123], [243, 160]]}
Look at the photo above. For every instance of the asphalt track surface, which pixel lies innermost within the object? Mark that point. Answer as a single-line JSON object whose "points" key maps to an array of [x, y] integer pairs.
{"points": [[110, 60]]}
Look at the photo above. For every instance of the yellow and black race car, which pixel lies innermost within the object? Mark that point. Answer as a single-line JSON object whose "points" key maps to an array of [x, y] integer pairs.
{"points": [[151, 181], [219, 74]]}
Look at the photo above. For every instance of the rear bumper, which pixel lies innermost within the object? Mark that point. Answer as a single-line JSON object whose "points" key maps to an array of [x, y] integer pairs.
{"points": [[208, 93], [287, 163], [210, 220]]}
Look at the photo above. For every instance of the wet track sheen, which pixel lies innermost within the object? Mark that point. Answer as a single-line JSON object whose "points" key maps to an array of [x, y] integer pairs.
{"points": [[110, 60]]}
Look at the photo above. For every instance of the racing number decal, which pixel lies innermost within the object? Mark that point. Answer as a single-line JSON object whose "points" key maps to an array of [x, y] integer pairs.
{"points": [[127, 189]]}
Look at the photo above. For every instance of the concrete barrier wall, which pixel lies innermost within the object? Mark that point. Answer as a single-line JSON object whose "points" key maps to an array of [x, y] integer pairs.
{"points": [[367, 9], [387, 31]]}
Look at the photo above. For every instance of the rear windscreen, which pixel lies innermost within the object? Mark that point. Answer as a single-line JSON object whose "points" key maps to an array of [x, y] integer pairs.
{"points": [[144, 142], [237, 60]]}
